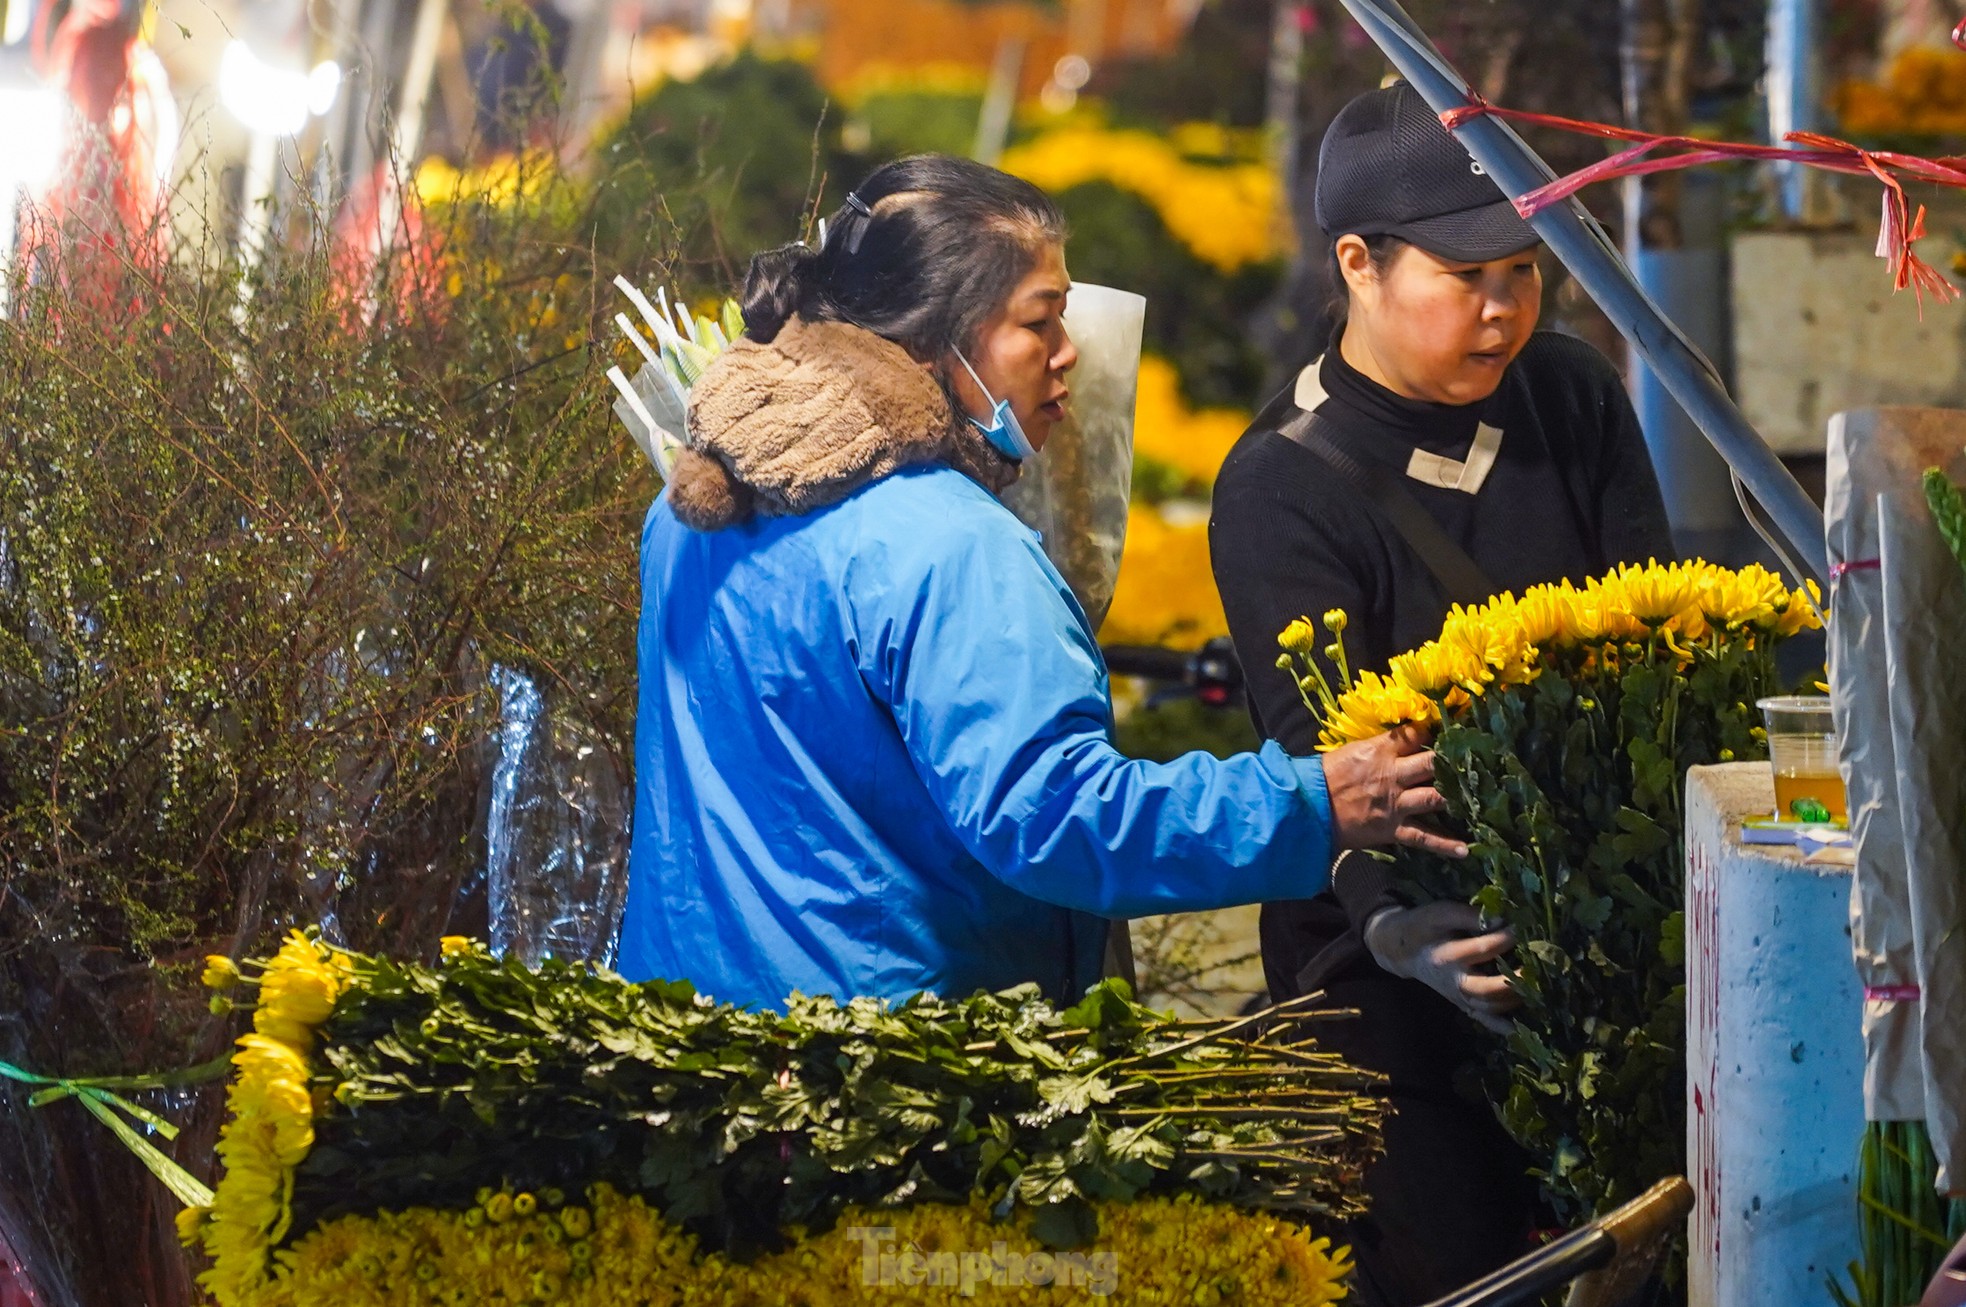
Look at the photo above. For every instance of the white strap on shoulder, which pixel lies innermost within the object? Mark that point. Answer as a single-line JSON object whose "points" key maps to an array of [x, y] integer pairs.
{"points": [[1464, 475]]}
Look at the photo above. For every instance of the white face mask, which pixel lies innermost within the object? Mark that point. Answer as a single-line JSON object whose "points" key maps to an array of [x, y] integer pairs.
{"points": [[1004, 432]]}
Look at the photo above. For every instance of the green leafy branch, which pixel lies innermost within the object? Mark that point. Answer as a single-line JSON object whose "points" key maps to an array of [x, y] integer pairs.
{"points": [[740, 1124]]}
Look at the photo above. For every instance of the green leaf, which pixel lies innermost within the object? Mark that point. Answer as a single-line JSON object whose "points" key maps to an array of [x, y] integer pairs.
{"points": [[1066, 1224], [1672, 939]]}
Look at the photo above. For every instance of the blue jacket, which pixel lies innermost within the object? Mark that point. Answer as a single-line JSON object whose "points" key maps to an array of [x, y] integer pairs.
{"points": [[874, 757]]}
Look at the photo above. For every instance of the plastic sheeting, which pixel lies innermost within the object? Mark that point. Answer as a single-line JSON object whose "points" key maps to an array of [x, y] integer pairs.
{"points": [[556, 834], [1896, 659], [1074, 493], [661, 439]]}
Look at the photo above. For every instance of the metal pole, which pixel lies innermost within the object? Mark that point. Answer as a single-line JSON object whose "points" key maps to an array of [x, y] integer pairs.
{"points": [[1574, 237], [1792, 91]]}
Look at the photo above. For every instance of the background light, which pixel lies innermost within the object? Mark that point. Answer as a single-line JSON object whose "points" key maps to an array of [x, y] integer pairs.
{"points": [[322, 85], [19, 12], [30, 148], [273, 100]]}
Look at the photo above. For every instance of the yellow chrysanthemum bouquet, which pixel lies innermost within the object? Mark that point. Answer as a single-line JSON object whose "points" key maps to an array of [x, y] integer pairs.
{"points": [[479, 1132], [1566, 721]]}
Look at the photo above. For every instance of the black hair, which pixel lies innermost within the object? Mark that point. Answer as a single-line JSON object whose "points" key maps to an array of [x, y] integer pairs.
{"points": [[1381, 248], [935, 247]]}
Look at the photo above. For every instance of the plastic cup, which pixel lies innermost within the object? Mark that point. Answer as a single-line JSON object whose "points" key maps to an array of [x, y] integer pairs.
{"points": [[1802, 752]]}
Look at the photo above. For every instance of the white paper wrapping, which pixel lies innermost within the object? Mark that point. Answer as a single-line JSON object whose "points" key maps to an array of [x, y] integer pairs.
{"points": [[1896, 663], [1925, 607]]}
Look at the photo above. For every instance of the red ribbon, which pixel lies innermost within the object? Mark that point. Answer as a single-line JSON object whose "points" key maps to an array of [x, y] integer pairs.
{"points": [[1898, 231], [1838, 571], [1891, 993]]}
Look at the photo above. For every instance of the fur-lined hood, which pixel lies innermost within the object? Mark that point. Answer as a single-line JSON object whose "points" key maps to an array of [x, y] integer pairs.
{"points": [[787, 427]]}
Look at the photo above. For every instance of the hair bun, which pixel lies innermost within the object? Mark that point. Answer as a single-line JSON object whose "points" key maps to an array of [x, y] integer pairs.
{"points": [[775, 289]]}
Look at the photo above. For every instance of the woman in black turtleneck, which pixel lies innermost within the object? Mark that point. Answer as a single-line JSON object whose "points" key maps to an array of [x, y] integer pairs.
{"points": [[1523, 451]]}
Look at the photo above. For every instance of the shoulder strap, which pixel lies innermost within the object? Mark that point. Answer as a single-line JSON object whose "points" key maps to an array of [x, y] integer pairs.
{"points": [[1460, 578]]}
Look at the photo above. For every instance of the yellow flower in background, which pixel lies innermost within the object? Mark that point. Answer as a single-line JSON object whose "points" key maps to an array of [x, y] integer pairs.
{"points": [[1191, 441], [190, 1220], [498, 182], [1209, 140], [1922, 93], [455, 945], [221, 972], [1165, 593], [1227, 214]]}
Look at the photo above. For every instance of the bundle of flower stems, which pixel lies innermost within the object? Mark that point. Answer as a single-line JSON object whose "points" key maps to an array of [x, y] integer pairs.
{"points": [[1905, 1226], [1566, 721], [369, 1087]]}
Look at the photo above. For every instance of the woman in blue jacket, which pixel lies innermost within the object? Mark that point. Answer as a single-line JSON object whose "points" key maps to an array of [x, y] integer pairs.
{"points": [[874, 737]]}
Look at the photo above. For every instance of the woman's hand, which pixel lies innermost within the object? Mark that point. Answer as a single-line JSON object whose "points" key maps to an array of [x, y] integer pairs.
{"points": [[1380, 791], [1441, 945]]}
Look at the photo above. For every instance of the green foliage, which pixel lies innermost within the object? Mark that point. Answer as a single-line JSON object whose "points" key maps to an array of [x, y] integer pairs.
{"points": [[1214, 75], [740, 1123], [1570, 789], [898, 122], [1163, 732], [1948, 505], [256, 562], [1195, 314], [731, 161]]}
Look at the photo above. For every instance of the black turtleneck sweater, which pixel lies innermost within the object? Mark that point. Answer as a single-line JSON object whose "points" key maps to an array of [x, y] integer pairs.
{"points": [[1571, 493]]}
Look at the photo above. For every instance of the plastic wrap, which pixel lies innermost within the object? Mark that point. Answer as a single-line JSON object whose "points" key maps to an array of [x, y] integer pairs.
{"points": [[557, 833], [1074, 493], [654, 417]]}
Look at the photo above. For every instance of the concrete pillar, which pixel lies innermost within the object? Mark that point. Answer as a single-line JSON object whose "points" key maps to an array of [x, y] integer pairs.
{"points": [[1774, 1055]]}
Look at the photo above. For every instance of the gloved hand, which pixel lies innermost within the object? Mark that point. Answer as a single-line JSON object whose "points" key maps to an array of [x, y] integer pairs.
{"points": [[1440, 944]]}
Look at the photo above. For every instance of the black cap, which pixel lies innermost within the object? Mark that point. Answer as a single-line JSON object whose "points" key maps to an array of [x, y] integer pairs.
{"points": [[1388, 166]]}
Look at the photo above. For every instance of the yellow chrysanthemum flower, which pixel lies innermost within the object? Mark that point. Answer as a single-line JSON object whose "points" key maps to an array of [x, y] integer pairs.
{"points": [[272, 1119], [1374, 706], [1300, 637], [1156, 1250], [1675, 608], [1801, 613], [1654, 593], [191, 1220]]}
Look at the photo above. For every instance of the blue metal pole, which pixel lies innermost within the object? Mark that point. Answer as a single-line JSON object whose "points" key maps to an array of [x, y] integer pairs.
{"points": [[1575, 238]]}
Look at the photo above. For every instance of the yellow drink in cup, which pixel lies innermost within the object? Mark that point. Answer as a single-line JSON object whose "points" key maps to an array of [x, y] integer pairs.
{"points": [[1802, 752]]}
